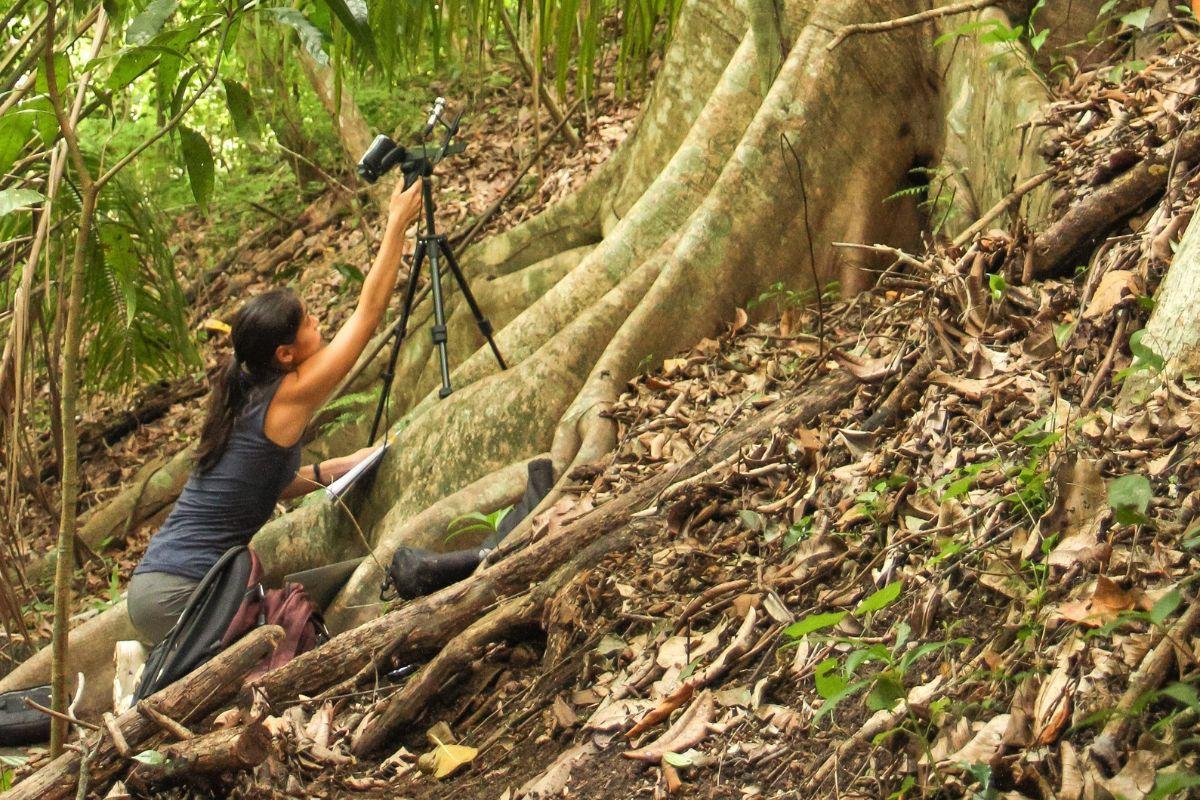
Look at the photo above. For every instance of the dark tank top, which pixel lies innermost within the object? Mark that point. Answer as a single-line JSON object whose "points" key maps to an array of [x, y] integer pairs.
{"points": [[225, 506]]}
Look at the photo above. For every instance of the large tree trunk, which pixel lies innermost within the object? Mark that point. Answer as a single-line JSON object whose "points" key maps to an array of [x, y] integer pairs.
{"points": [[1172, 331], [699, 209]]}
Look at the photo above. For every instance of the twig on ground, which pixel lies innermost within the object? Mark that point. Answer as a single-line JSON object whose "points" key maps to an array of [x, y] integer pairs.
{"points": [[163, 721], [1005, 203]]}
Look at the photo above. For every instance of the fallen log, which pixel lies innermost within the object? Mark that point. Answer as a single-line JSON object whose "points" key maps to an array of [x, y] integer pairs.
{"points": [[1114, 201], [425, 625], [406, 705], [153, 404], [223, 752], [191, 698]]}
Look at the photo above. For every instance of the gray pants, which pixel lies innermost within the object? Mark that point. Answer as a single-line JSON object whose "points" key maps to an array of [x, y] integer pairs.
{"points": [[155, 601]]}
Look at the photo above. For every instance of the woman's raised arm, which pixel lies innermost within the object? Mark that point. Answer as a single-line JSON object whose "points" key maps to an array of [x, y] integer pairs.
{"points": [[304, 390]]}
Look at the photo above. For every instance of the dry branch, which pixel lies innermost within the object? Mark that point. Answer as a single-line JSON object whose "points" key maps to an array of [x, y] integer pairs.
{"points": [[1005, 203], [1109, 204], [427, 624], [223, 752], [190, 698], [846, 31]]}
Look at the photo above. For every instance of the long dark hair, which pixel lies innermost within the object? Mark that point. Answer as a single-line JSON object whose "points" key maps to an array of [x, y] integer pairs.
{"points": [[261, 325]]}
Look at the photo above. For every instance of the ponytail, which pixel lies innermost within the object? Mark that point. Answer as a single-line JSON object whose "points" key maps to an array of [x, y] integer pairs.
{"points": [[225, 404], [259, 327]]}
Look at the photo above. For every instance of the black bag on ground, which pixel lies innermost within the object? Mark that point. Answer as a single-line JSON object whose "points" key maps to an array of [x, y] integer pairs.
{"points": [[415, 572], [21, 725], [197, 635]]}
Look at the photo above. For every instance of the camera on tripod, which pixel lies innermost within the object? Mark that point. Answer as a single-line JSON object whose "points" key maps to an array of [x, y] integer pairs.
{"points": [[418, 162], [414, 162]]}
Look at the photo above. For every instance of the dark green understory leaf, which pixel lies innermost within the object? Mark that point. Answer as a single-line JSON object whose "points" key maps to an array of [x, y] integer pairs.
{"points": [[13, 199], [146, 25], [198, 159], [310, 37], [241, 109]]}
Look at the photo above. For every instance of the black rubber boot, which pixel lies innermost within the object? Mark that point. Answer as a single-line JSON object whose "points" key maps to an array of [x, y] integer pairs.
{"points": [[415, 572]]}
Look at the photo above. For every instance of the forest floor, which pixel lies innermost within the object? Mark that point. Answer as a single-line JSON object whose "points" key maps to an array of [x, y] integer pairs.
{"points": [[325, 267], [969, 581]]}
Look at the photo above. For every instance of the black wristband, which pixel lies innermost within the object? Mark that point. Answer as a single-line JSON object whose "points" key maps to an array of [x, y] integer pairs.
{"points": [[317, 473]]}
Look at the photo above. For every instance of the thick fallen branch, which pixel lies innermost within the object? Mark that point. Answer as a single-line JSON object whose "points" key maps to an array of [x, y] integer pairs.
{"points": [[190, 698], [426, 625], [406, 706], [223, 752], [1114, 201]]}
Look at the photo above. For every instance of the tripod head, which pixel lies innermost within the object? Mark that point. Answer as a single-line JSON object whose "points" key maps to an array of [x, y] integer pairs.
{"points": [[414, 162]]}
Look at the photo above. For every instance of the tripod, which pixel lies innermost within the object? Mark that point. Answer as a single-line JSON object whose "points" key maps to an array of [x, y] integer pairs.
{"points": [[434, 247]]}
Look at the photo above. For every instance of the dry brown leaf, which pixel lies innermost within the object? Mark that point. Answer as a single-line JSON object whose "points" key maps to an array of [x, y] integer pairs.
{"points": [[1071, 787], [552, 782], [971, 388], [1101, 605], [688, 731], [1136, 778], [663, 710], [985, 745], [740, 318], [867, 370], [1114, 287], [1052, 708], [447, 758]]}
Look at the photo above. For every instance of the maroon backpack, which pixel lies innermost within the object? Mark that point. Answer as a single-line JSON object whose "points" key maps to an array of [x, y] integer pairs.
{"points": [[290, 608]]}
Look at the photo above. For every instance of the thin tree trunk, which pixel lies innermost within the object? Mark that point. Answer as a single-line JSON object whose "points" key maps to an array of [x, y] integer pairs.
{"points": [[65, 551], [541, 89]]}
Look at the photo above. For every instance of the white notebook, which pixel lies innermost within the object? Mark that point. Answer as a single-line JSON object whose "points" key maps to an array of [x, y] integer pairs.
{"points": [[343, 484]]}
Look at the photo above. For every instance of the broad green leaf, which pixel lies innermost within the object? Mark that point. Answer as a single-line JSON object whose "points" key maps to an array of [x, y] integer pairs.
{"points": [[146, 25], [832, 702], [1165, 606], [829, 682], [997, 284], [813, 623], [685, 759], [610, 644], [1144, 353], [164, 83], [1129, 497], [150, 757], [354, 18], [241, 109], [881, 599], [886, 692], [12, 199], [1137, 19], [198, 159], [15, 129], [310, 37], [752, 520]]}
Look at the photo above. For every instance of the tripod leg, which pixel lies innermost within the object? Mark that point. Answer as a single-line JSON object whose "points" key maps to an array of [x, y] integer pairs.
{"points": [[439, 318], [410, 292], [481, 321]]}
